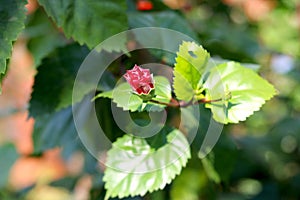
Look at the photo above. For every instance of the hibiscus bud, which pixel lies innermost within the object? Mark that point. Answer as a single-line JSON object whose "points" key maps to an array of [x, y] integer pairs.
{"points": [[140, 80]]}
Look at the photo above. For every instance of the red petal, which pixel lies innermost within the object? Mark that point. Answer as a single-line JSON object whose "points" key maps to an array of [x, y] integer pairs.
{"points": [[151, 85]]}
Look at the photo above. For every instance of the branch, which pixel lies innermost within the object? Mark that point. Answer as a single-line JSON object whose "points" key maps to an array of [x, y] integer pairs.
{"points": [[175, 103]]}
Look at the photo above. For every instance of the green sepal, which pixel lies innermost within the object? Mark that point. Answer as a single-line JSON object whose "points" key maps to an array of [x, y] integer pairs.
{"points": [[147, 97]]}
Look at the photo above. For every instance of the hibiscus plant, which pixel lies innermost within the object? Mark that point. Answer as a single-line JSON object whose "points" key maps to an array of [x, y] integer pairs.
{"points": [[162, 112], [231, 91]]}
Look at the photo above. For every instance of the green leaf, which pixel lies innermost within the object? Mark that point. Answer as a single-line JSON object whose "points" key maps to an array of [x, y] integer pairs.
{"points": [[208, 165], [124, 97], [8, 157], [117, 44], [160, 139], [88, 22], [12, 15], [163, 93], [164, 19], [107, 94], [217, 61], [55, 78], [240, 90], [190, 63], [227, 40], [134, 168], [42, 36], [55, 130]]}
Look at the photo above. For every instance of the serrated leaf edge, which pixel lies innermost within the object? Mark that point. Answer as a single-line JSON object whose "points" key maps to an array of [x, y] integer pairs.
{"points": [[183, 160]]}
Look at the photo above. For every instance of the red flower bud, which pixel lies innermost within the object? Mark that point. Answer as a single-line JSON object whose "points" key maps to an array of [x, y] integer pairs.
{"points": [[140, 80], [144, 5]]}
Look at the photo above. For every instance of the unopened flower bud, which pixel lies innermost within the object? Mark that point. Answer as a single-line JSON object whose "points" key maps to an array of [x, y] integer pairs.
{"points": [[140, 80]]}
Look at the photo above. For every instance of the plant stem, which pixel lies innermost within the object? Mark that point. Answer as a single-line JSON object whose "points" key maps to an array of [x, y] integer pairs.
{"points": [[175, 103]]}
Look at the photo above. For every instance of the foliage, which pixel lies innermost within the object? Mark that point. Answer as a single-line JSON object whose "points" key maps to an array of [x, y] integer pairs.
{"points": [[190, 64], [255, 158], [12, 23], [231, 91], [148, 170], [48, 83], [242, 92], [122, 95], [85, 21]]}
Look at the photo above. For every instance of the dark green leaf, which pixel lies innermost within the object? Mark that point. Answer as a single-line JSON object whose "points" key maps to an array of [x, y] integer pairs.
{"points": [[12, 15], [164, 19], [224, 38], [160, 139], [88, 22], [54, 82], [56, 130], [43, 36]]}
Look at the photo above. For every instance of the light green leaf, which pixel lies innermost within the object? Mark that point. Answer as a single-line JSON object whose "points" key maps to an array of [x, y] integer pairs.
{"points": [[163, 93], [190, 63], [107, 94], [162, 89], [240, 92], [88, 21], [12, 15], [124, 97], [217, 61], [134, 168]]}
